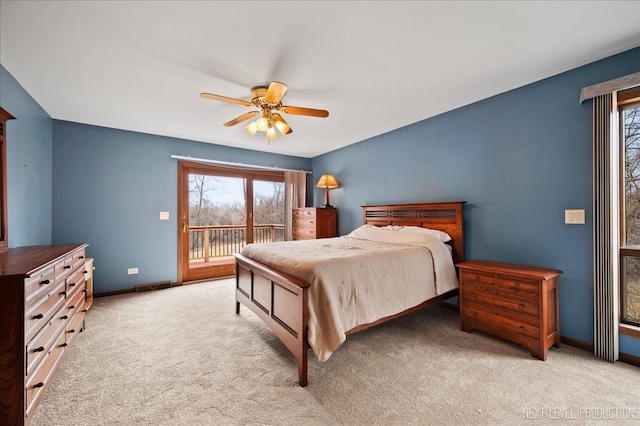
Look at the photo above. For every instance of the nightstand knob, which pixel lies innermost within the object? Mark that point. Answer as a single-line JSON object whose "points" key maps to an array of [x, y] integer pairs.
{"points": [[521, 306], [517, 285]]}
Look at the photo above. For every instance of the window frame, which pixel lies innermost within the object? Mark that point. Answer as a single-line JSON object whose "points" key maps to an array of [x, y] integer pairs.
{"points": [[626, 100], [5, 116]]}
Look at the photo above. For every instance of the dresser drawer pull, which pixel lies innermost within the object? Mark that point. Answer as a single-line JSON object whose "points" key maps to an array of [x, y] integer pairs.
{"points": [[72, 285], [72, 307], [521, 328], [71, 331], [517, 285], [67, 267], [64, 345], [40, 349], [64, 317], [80, 257], [38, 385], [63, 293], [521, 306], [85, 272], [39, 316], [45, 282], [474, 295]]}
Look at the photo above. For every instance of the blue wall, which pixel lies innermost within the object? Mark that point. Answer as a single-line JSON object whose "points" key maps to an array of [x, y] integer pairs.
{"points": [[109, 188], [29, 166], [519, 159]]}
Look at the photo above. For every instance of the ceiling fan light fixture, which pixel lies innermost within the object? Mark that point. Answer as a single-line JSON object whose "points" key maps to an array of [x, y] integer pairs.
{"points": [[271, 133], [262, 123], [252, 128], [280, 124]]}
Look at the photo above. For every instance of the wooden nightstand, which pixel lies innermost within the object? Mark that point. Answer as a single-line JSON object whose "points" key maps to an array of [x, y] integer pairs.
{"points": [[515, 302], [310, 223]]}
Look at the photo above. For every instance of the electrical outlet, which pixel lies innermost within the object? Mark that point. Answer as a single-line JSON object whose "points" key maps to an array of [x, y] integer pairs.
{"points": [[164, 215], [132, 271]]}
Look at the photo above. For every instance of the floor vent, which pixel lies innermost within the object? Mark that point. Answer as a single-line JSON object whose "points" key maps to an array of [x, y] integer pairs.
{"points": [[153, 286]]}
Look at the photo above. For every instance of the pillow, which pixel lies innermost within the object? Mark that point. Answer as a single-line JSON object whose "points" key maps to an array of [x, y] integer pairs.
{"points": [[442, 236]]}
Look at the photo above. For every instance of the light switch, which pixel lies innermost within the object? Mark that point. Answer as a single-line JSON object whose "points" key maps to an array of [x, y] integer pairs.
{"points": [[164, 215], [574, 217]]}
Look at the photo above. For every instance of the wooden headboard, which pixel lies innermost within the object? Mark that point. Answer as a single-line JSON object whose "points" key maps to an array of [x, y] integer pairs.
{"points": [[446, 217]]}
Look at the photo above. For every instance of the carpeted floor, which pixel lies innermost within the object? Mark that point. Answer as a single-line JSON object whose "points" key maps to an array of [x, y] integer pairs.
{"points": [[181, 356]]}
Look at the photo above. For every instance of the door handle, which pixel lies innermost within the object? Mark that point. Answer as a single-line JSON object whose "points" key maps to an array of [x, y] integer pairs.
{"points": [[185, 227]]}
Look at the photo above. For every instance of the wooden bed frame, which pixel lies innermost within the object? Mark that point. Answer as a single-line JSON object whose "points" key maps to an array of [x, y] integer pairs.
{"points": [[281, 300]]}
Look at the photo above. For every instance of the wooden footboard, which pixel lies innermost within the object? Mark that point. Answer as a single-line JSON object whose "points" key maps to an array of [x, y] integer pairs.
{"points": [[280, 300]]}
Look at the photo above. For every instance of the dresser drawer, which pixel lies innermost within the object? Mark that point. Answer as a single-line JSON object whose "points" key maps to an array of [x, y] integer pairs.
{"points": [[519, 286], [74, 303], [484, 296], [38, 347], [38, 284], [304, 233], [40, 379], [38, 315], [496, 318], [74, 282], [74, 326], [307, 213], [478, 278]]}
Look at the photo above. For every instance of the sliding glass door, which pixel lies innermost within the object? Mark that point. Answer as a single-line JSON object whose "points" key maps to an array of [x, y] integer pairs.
{"points": [[222, 209]]}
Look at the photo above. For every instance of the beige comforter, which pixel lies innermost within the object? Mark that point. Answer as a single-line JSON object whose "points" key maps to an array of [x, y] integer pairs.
{"points": [[357, 279]]}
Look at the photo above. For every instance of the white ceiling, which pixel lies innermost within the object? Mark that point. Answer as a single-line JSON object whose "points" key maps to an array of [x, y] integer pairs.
{"points": [[375, 65]]}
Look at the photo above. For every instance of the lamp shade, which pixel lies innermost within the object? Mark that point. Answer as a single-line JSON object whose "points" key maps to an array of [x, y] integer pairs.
{"points": [[327, 182]]}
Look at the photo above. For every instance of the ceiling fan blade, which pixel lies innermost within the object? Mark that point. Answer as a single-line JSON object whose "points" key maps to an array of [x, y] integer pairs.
{"points": [[225, 99], [240, 119], [305, 111], [281, 124], [275, 92]]}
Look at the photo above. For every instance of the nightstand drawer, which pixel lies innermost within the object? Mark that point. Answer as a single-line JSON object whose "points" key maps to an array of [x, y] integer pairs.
{"points": [[518, 285], [478, 278], [495, 317], [481, 295]]}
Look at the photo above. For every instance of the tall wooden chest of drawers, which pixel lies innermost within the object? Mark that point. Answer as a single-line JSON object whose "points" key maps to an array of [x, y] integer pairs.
{"points": [[42, 297], [515, 302], [310, 223]]}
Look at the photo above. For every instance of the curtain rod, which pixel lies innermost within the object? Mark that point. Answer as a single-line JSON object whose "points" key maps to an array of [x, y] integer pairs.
{"points": [[228, 163]]}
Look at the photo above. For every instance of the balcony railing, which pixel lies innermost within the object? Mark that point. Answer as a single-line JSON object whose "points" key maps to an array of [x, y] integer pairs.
{"points": [[207, 242]]}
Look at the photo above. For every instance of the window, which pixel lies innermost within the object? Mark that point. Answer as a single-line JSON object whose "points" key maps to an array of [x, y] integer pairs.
{"points": [[629, 108]]}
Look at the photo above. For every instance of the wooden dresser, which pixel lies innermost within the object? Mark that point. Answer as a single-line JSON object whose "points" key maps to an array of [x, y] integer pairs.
{"points": [[515, 302], [310, 223], [42, 297]]}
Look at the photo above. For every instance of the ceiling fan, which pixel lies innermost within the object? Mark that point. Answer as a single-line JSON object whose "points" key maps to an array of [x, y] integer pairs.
{"points": [[268, 101]]}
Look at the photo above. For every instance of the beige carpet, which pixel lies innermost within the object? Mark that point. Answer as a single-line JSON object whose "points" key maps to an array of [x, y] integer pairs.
{"points": [[181, 356]]}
